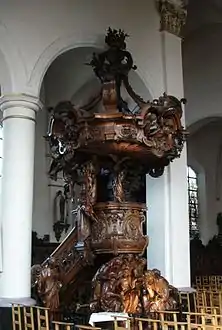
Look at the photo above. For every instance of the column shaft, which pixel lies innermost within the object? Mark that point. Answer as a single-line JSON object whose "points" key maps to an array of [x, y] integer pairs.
{"points": [[17, 195], [167, 197]]}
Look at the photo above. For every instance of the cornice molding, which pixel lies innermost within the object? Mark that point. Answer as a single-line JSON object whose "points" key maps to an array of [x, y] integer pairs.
{"points": [[20, 100]]}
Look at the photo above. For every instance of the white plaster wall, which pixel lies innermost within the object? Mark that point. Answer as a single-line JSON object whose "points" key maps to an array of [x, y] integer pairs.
{"points": [[5, 78], [69, 78], [44, 188], [40, 30], [203, 151], [41, 209], [67, 74]]}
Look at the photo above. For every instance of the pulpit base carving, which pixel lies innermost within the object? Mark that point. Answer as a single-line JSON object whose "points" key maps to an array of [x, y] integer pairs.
{"points": [[124, 285]]}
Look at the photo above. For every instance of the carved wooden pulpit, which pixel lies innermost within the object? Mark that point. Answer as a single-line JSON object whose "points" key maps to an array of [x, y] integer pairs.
{"points": [[109, 153]]}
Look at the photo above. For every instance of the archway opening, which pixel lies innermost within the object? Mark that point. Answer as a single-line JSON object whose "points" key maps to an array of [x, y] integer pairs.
{"points": [[204, 150]]}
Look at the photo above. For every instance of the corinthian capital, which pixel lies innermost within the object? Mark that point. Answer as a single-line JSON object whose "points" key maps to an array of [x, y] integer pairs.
{"points": [[173, 15]]}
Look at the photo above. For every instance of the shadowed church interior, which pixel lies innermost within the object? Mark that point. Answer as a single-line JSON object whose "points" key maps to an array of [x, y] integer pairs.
{"points": [[110, 165]]}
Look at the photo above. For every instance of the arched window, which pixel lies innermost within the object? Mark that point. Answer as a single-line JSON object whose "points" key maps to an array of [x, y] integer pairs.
{"points": [[193, 202]]}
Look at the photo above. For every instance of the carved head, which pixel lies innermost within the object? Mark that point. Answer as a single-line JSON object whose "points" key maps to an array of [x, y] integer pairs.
{"points": [[130, 257], [149, 276], [35, 272], [126, 271]]}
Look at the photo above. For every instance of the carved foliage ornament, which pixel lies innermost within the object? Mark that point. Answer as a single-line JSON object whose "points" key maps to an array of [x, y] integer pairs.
{"points": [[173, 14]]}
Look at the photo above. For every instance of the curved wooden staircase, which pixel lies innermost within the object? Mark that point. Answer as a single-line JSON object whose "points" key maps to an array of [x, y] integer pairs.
{"points": [[77, 266]]}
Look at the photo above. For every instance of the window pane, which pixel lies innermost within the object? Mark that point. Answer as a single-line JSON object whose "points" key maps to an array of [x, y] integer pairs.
{"points": [[191, 173], [193, 202]]}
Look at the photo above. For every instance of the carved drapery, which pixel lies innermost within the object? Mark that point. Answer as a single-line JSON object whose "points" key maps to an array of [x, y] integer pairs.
{"points": [[173, 14]]}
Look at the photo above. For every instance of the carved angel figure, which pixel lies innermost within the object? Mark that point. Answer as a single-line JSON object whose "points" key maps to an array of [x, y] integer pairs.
{"points": [[118, 190], [130, 291], [158, 291], [89, 187]]}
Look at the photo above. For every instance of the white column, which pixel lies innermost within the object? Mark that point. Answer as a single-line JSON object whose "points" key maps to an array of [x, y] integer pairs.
{"points": [[167, 196], [19, 112]]}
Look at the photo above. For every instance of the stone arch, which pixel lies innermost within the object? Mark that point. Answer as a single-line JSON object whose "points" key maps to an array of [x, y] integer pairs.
{"points": [[57, 48], [201, 122]]}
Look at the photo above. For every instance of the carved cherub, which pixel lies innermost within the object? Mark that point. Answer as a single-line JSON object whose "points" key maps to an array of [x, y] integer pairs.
{"points": [[118, 186], [158, 290]]}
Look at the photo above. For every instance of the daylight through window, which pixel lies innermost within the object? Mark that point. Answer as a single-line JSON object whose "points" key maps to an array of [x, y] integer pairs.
{"points": [[193, 202]]}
